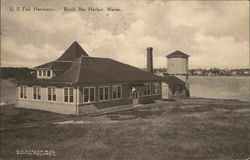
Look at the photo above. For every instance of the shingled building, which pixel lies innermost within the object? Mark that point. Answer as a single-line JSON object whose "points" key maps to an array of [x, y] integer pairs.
{"points": [[76, 83]]}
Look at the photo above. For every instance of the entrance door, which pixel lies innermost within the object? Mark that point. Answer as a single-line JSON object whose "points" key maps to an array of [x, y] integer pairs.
{"points": [[135, 96]]}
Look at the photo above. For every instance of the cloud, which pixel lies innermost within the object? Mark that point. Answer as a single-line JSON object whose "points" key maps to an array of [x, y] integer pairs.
{"points": [[129, 47], [217, 52], [26, 55], [204, 30]]}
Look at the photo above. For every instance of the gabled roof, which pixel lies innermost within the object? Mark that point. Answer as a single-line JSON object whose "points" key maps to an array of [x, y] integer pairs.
{"points": [[177, 54], [87, 70], [73, 52]]}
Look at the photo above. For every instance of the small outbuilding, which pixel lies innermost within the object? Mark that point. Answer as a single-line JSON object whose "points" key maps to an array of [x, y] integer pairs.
{"points": [[176, 81]]}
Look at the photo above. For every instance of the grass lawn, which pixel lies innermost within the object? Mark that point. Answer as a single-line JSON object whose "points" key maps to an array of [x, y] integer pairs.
{"points": [[188, 130]]}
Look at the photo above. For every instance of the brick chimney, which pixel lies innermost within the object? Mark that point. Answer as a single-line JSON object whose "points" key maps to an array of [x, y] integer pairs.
{"points": [[150, 59]]}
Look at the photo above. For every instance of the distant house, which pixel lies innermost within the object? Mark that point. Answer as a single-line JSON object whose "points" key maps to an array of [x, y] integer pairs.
{"points": [[234, 73], [75, 83], [246, 72], [200, 73]]}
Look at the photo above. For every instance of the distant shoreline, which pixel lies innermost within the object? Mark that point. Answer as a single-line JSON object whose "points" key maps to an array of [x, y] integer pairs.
{"points": [[220, 76]]}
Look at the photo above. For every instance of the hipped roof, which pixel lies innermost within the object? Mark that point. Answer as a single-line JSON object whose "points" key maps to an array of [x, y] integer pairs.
{"points": [[177, 54], [87, 70], [56, 65], [65, 60], [73, 52], [78, 68], [172, 80]]}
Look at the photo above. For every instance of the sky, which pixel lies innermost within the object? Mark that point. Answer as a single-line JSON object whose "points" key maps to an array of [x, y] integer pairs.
{"points": [[213, 33]]}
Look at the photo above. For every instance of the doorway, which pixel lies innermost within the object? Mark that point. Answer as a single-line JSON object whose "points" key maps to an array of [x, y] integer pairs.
{"points": [[135, 96]]}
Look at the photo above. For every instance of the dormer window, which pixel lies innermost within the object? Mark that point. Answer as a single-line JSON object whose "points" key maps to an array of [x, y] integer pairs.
{"points": [[39, 73], [44, 74], [48, 73]]}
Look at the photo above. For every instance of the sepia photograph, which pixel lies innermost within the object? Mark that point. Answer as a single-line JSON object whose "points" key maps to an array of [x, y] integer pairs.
{"points": [[125, 80]]}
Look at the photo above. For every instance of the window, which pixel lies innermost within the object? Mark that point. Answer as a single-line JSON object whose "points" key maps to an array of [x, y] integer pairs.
{"points": [[156, 88], [116, 92], [101, 94], [52, 94], [147, 89], [88, 94], [44, 73], [23, 92], [68, 95], [71, 97], [36, 92], [104, 93], [48, 73]]}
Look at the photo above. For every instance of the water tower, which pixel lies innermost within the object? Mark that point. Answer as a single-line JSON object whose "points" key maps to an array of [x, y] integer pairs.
{"points": [[178, 66]]}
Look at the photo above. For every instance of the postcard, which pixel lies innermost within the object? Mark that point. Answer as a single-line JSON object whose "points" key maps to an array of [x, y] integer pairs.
{"points": [[131, 80]]}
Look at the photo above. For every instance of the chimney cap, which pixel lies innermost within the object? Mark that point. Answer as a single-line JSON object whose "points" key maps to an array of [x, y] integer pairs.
{"points": [[149, 48]]}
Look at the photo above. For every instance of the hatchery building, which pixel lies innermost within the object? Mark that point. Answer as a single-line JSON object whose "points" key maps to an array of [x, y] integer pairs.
{"points": [[77, 83]]}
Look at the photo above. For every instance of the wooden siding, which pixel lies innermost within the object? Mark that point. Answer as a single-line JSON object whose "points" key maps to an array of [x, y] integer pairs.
{"points": [[58, 106]]}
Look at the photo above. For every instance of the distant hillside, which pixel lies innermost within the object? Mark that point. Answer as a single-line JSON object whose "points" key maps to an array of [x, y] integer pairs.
{"points": [[17, 73]]}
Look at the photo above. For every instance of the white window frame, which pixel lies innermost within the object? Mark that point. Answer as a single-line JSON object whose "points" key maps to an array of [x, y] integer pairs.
{"points": [[148, 91], [156, 88], [68, 94], [24, 90], [49, 71], [38, 93], [115, 89], [44, 73], [40, 73], [103, 92], [88, 95], [52, 95]]}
